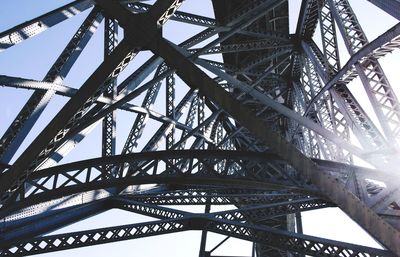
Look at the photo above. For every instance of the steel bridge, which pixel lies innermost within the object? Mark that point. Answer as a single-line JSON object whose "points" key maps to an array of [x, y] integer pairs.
{"points": [[241, 113]]}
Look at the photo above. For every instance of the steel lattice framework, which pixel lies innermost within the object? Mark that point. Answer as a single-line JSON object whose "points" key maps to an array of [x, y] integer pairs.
{"points": [[268, 128]]}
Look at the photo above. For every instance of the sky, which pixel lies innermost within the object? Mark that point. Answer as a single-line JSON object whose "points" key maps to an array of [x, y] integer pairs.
{"points": [[32, 59]]}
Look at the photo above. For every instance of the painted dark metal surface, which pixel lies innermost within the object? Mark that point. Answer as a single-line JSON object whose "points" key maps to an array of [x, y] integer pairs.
{"points": [[268, 132]]}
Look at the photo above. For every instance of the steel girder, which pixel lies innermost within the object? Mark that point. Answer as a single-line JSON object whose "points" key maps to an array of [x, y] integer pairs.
{"points": [[140, 121], [7, 81], [308, 19], [213, 196], [266, 100], [52, 220], [131, 83], [128, 84], [109, 121], [264, 235], [247, 168], [35, 26], [384, 44], [30, 113], [243, 108], [56, 130], [145, 167], [192, 75], [363, 127], [379, 91], [215, 222]]}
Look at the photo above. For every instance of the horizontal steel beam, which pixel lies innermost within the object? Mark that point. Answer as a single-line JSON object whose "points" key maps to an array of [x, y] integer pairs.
{"points": [[296, 243], [146, 167], [52, 221], [62, 90], [195, 78], [20, 169]]}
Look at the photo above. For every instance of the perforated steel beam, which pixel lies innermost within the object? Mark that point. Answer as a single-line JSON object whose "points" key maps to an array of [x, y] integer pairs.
{"points": [[109, 121], [268, 101], [194, 77], [34, 107], [240, 110], [35, 26], [58, 127], [220, 222]]}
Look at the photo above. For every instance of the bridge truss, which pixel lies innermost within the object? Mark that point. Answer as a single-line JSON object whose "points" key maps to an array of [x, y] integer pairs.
{"points": [[241, 113]]}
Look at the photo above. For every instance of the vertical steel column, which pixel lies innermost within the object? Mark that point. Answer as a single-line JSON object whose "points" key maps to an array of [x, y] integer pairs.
{"points": [[299, 226], [170, 108], [322, 112], [200, 120], [216, 135], [218, 140], [332, 61], [304, 138], [202, 251], [333, 121], [189, 119], [328, 36], [109, 121], [299, 223], [200, 116], [310, 141]]}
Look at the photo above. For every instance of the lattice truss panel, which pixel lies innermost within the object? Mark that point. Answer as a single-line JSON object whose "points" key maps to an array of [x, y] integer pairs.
{"points": [[224, 108]]}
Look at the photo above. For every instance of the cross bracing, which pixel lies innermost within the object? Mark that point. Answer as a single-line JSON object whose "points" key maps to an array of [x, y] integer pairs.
{"points": [[241, 113]]}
